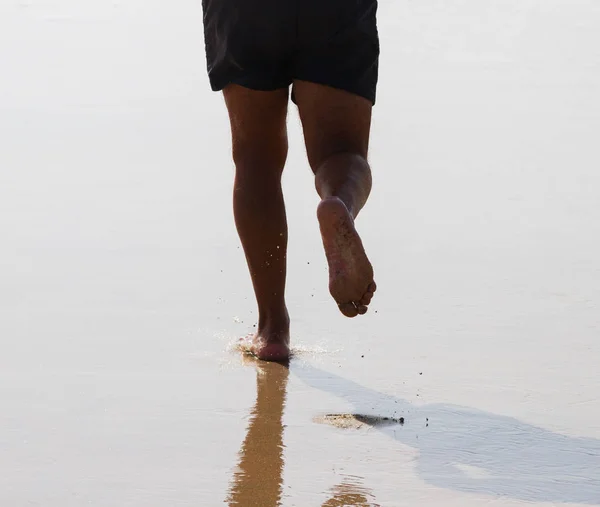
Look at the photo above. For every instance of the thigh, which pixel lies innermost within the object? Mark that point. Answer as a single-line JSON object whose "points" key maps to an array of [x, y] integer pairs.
{"points": [[258, 126], [333, 120]]}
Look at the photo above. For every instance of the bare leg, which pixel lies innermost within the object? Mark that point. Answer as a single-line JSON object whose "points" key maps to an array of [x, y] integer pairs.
{"points": [[336, 131], [259, 135]]}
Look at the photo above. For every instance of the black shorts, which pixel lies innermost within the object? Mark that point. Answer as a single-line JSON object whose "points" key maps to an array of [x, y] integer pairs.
{"points": [[265, 44]]}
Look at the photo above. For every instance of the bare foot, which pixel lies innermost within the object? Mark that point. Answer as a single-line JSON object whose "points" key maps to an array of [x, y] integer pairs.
{"points": [[350, 272], [269, 344]]}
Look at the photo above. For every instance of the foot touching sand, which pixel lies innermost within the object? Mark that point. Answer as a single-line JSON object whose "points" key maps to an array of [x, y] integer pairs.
{"points": [[350, 272], [270, 343]]}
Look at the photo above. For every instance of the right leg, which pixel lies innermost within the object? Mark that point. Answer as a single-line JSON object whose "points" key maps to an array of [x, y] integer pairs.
{"points": [[336, 127]]}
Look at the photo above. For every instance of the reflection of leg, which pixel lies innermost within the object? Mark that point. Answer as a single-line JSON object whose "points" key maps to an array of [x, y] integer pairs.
{"points": [[348, 494], [258, 480], [258, 128]]}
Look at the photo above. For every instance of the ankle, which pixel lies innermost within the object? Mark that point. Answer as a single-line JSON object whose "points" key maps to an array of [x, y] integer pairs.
{"points": [[348, 204], [274, 321]]}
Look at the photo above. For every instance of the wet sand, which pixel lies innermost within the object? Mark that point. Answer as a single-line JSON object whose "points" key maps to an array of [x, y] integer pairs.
{"points": [[123, 288]]}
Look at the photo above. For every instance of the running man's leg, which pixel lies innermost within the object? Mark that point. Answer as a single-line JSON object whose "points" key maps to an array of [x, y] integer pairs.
{"points": [[336, 127], [259, 142]]}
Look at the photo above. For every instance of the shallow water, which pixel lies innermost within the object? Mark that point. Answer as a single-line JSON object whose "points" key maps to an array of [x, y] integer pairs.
{"points": [[123, 289]]}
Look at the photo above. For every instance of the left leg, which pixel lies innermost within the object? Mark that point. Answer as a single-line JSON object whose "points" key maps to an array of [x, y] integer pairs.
{"points": [[259, 139]]}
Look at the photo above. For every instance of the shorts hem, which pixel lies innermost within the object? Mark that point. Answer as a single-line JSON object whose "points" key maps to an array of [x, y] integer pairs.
{"points": [[370, 95], [250, 83]]}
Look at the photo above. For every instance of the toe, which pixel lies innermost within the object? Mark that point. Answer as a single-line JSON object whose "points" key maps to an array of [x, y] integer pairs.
{"points": [[366, 299], [361, 309], [348, 309], [372, 287]]}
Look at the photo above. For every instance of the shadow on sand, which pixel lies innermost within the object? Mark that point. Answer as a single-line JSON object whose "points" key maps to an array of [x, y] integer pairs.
{"points": [[478, 452]]}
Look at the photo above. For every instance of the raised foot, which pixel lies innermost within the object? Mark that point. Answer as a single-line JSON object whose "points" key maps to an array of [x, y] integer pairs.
{"points": [[350, 273]]}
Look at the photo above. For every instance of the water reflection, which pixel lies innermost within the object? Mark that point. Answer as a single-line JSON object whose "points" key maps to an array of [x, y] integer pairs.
{"points": [[460, 448], [258, 479], [351, 493], [259, 476]]}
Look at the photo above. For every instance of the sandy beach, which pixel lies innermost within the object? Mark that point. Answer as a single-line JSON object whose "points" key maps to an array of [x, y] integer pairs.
{"points": [[472, 381]]}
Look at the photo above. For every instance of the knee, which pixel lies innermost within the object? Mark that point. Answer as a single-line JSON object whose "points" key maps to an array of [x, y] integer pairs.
{"points": [[258, 171], [334, 147], [353, 160], [259, 168], [260, 156]]}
